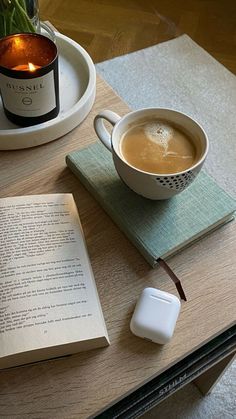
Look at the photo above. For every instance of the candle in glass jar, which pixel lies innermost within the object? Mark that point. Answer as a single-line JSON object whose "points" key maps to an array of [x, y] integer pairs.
{"points": [[29, 78]]}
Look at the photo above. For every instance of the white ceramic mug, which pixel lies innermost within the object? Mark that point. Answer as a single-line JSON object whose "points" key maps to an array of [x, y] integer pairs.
{"points": [[151, 185]]}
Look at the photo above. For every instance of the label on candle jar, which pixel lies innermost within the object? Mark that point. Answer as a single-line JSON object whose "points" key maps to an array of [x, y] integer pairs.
{"points": [[28, 97]]}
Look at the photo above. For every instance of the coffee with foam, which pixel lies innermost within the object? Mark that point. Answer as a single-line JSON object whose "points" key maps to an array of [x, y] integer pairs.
{"points": [[158, 146]]}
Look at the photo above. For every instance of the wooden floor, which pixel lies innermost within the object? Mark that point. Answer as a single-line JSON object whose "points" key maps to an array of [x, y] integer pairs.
{"points": [[108, 28]]}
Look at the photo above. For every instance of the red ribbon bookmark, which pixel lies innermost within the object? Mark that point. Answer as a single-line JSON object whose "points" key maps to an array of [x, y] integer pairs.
{"points": [[174, 278]]}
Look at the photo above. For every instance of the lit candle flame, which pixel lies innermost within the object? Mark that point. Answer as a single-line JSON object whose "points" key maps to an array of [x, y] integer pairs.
{"points": [[31, 67], [26, 67]]}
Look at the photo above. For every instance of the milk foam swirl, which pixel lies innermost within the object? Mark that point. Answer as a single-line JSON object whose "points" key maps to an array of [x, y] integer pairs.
{"points": [[160, 133]]}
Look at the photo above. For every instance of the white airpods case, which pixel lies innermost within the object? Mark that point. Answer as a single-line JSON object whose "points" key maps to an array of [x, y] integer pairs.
{"points": [[155, 315]]}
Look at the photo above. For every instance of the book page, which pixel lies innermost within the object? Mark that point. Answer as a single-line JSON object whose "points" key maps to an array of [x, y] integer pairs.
{"points": [[47, 292]]}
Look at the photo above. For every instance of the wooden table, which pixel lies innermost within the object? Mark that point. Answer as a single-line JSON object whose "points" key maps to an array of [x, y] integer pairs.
{"points": [[82, 385]]}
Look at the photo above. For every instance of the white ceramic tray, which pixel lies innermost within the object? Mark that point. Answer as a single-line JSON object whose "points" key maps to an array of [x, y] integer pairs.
{"points": [[77, 81]]}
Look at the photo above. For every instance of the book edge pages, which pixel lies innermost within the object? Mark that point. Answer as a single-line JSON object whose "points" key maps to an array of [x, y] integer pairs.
{"points": [[91, 272], [47, 353]]}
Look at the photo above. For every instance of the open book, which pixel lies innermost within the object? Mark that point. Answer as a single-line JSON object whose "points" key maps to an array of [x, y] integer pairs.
{"points": [[158, 229], [49, 305]]}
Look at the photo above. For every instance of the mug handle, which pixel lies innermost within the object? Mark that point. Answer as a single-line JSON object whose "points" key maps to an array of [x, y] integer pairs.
{"points": [[101, 131]]}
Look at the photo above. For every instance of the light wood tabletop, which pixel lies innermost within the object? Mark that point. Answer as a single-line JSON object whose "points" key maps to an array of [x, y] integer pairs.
{"points": [[84, 384], [81, 385]]}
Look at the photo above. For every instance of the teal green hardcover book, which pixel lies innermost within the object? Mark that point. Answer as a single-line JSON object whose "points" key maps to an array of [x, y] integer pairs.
{"points": [[156, 228]]}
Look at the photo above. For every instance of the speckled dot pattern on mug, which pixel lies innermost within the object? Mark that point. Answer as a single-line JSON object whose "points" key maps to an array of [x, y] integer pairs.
{"points": [[177, 182]]}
